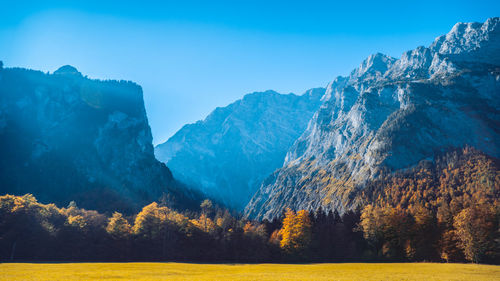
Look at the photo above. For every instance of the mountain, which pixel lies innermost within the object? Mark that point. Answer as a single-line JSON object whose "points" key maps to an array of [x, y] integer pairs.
{"points": [[64, 137], [228, 154], [388, 115]]}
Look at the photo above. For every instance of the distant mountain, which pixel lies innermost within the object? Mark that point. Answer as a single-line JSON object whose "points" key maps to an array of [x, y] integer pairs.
{"points": [[64, 137], [388, 115], [228, 154]]}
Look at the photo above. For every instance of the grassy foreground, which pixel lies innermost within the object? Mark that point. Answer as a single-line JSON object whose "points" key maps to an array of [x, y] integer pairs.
{"points": [[261, 272]]}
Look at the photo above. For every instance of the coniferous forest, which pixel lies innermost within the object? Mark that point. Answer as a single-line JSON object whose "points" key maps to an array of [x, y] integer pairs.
{"points": [[442, 210]]}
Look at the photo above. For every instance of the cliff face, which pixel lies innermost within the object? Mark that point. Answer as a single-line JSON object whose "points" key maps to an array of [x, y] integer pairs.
{"points": [[228, 154], [388, 115], [64, 137]]}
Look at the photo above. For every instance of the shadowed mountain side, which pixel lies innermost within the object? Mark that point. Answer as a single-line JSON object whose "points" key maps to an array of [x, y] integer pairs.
{"points": [[64, 137], [228, 154]]}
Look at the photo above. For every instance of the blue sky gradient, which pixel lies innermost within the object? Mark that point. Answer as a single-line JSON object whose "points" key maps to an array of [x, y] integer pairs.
{"points": [[192, 56]]}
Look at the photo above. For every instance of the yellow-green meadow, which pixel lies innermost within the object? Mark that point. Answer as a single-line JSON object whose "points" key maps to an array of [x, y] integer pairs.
{"points": [[261, 272]]}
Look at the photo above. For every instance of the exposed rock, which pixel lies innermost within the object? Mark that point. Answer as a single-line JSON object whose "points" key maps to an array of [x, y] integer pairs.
{"points": [[389, 115], [230, 153], [64, 137], [67, 70]]}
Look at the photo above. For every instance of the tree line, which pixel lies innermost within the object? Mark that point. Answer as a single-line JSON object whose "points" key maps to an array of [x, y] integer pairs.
{"points": [[446, 210]]}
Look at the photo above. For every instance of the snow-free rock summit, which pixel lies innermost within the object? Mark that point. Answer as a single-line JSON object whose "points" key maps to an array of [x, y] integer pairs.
{"points": [[388, 115]]}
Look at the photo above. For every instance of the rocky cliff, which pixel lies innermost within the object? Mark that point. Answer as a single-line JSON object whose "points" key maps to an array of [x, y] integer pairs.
{"points": [[64, 137], [389, 114], [228, 154]]}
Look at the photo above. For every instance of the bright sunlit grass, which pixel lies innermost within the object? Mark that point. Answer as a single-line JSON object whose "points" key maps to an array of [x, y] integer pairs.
{"points": [[261, 272]]}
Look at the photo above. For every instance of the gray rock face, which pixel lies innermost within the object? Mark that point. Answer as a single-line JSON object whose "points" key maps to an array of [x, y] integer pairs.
{"points": [[228, 154], [388, 115], [64, 137]]}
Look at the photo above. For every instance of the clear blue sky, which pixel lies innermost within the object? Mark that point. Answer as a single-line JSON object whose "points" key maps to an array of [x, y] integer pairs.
{"points": [[192, 56]]}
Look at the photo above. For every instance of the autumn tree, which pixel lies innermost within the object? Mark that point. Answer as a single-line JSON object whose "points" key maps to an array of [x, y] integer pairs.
{"points": [[372, 225], [397, 232], [118, 227], [26, 226], [387, 229], [204, 223], [154, 225], [76, 221], [447, 208], [448, 242], [120, 231], [276, 237], [148, 222], [424, 235], [255, 230], [296, 232], [474, 227]]}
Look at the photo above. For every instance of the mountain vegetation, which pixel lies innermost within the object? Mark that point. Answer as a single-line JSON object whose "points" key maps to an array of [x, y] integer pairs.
{"points": [[457, 220], [399, 162]]}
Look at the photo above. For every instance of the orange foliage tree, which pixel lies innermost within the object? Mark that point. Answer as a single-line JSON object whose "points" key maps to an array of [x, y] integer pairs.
{"points": [[296, 232]]}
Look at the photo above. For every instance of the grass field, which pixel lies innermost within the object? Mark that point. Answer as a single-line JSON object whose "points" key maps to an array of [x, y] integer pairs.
{"points": [[261, 272]]}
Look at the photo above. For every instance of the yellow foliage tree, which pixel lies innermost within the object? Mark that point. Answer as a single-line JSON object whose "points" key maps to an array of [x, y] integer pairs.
{"points": [[76, 221], [473, 227], [204, 223], [160, 224], [118, 226], [296, 231], [255, 230], [372, 223]]}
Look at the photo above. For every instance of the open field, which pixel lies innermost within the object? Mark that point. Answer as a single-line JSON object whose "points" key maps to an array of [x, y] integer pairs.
{"points": [[261, 272]]}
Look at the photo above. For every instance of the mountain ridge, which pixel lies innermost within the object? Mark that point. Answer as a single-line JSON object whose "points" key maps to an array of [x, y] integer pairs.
{"points": [[64, 137], [390, 114], [228, 154]]}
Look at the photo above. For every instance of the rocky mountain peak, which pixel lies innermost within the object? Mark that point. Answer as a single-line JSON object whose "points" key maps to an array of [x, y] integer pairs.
{"points": [[228, 154], [388, 115], [67, 70], [471, 42], [373, 67]]}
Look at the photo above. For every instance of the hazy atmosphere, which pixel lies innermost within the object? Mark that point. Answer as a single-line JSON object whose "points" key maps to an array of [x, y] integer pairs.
{"points": [[192, 56]]}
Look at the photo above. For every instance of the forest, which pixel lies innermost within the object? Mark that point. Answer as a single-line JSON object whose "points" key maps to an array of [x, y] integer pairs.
{"points": [[446, 210]]}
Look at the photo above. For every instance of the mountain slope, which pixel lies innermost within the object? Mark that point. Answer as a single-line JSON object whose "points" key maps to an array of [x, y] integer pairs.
{"points": [[228, 154], [64, 137], [389, 114]]}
